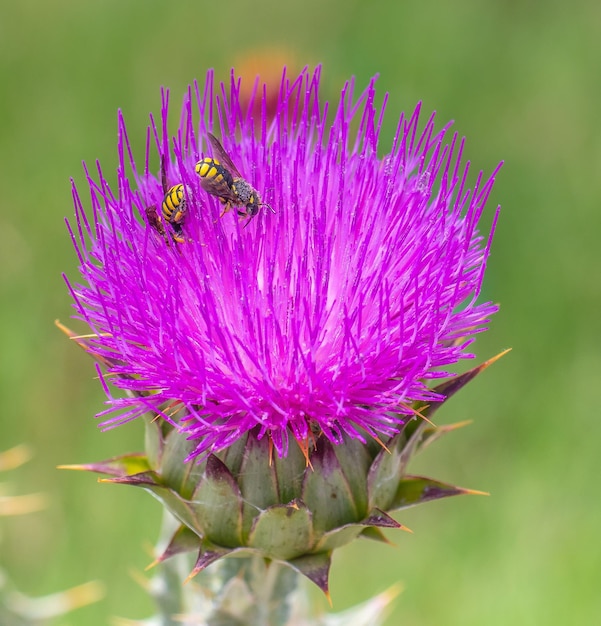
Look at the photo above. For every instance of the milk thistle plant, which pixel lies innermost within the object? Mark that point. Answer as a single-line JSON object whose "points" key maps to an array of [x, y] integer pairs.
{"points": [[283, 301]]}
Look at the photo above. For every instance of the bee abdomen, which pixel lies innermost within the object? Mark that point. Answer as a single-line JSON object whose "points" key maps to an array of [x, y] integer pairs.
{"points": [[212, 169], [174, 204]]}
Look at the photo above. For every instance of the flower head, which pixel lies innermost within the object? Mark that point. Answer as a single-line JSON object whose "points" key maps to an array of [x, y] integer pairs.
{"points": [[330, 314]]}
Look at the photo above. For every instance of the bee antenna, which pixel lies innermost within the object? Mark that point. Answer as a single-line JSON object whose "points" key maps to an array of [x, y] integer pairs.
{"points": [[248, 221]]}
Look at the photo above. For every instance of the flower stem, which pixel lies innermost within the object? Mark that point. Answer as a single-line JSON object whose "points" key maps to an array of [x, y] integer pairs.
{"points": [[237, 591]]}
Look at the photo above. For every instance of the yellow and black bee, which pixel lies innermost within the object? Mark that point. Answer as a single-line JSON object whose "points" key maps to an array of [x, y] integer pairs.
{"points": [[174, 205], [220, 177], [173, 208]]}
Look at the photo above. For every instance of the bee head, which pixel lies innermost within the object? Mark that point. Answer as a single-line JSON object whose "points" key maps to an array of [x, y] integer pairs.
{"points": [[253, 205]]}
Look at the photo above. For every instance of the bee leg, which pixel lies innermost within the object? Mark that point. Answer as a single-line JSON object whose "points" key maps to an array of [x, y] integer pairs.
{"points": [[227, 205], [178, 234]]}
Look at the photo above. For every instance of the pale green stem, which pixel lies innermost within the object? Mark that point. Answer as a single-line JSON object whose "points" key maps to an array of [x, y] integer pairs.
{"points": [[235, 591]]}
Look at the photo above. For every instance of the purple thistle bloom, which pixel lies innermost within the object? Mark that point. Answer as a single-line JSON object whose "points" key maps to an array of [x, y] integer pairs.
{"points": [[332, 313]]}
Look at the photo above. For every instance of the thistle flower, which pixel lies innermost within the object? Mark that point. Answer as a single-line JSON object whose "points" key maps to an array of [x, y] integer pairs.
{"points": [[330, 315], [285, 353]]}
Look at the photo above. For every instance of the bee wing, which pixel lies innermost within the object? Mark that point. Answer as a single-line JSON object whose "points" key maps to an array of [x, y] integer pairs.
{"points": [[218, 188], [223, 156]]}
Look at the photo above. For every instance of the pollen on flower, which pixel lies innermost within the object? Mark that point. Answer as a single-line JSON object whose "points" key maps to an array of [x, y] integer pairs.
{"points": [[333, 312]]}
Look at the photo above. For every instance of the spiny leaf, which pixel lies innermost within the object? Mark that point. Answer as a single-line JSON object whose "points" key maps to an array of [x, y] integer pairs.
{"points": [[208, 553], [183, 540], [381, 519], [316, 567], [414, 490], [183, 510], [450, 387], [118, 466], [375, 534], [431, 434], [142, 479]]}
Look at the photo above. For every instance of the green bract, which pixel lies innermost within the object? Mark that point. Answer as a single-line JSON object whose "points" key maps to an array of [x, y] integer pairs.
{"points": [[246, 501]]}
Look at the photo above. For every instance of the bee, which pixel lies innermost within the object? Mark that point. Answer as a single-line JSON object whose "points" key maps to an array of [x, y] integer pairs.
{"points": [[173, 208], [174, 205], [220, 177]]}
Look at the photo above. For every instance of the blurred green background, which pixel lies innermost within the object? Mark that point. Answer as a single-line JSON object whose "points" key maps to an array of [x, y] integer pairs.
{"points": [[522, 82]]}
